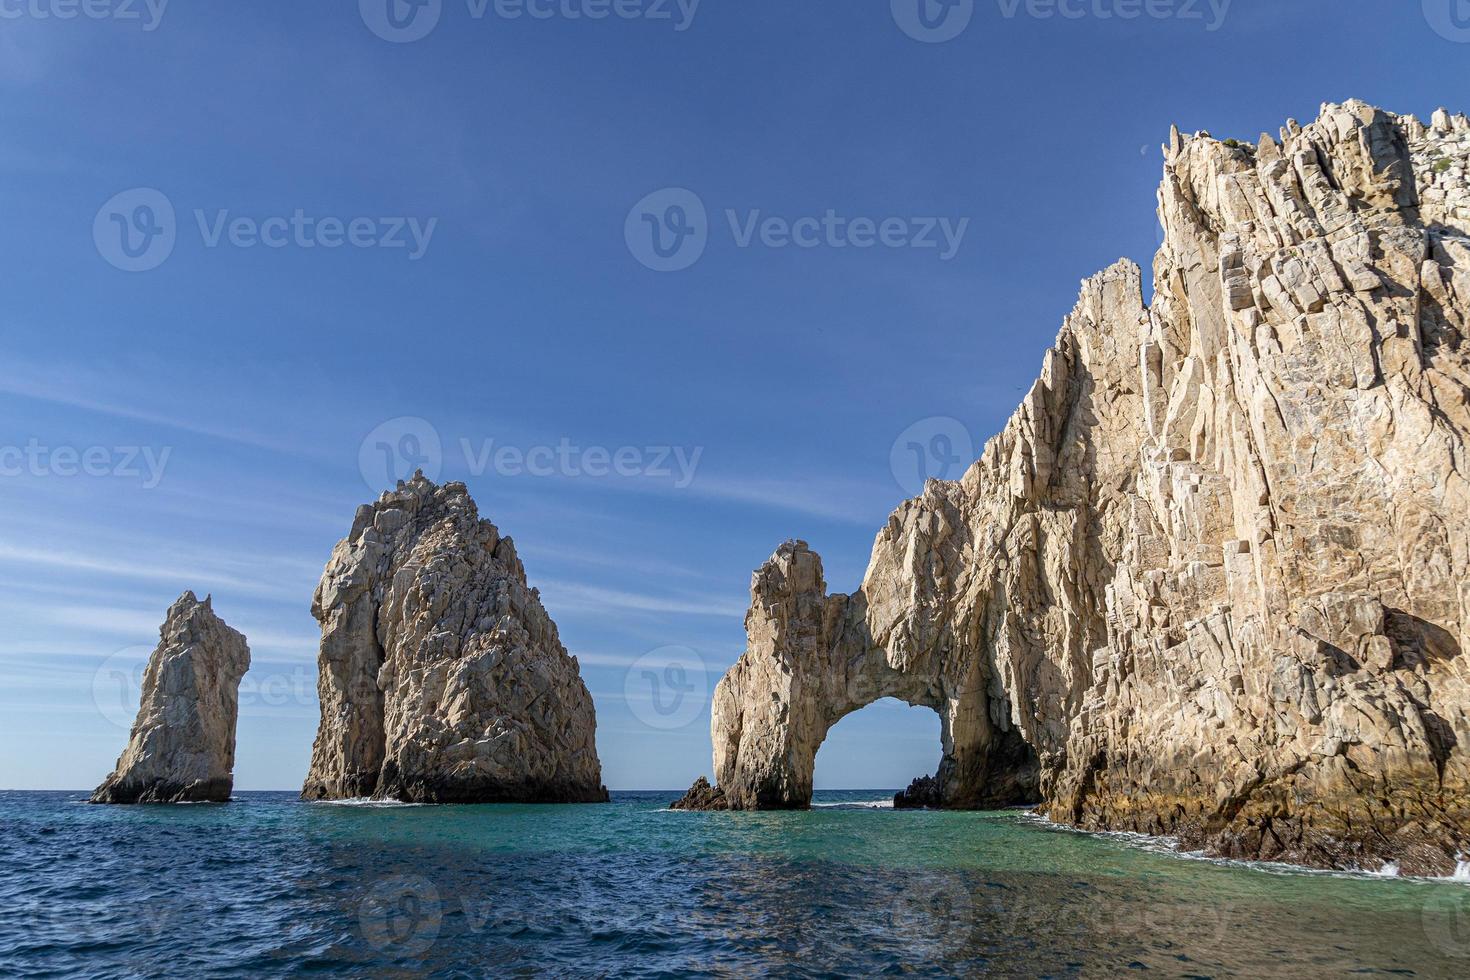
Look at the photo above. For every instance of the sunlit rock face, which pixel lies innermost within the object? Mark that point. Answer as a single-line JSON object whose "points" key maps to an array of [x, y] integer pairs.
{"points": [[1211, 578], [182, 745], [442, 678]]}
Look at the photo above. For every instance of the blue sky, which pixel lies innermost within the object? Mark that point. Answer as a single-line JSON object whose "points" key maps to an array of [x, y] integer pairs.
{"points": [[457, 220]]}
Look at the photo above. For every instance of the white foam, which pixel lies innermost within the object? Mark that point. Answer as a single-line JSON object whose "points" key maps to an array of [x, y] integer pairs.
{"points": [[856, 805], [368, 802], [1169, 846]]}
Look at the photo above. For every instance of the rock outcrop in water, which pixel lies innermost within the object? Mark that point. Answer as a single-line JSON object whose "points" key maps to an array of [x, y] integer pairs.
{"points": [[1213, 577], [442, 679], [182, 746]]}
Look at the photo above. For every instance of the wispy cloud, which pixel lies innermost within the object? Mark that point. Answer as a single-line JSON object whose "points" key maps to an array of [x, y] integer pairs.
{"points": [[575, 597], [621, 561], [185, 573], [42, 383], [844, 501]]}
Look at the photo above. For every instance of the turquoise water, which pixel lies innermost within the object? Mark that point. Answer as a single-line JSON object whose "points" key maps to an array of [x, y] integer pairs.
{"points": [[268, 885]]}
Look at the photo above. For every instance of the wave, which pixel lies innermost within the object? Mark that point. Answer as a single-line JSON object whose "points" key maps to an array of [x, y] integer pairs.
{"points": [[1170, 847], [856, 805], [368, 802]]}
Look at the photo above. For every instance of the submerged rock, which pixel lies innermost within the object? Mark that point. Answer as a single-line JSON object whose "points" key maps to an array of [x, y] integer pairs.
{"points": [[1210, 579], [442, 678], [701, 796], [922, 794], [182, 746]]}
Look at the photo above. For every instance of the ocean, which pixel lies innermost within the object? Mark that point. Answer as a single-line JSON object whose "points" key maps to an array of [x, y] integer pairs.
{"points": [[271, 886]]}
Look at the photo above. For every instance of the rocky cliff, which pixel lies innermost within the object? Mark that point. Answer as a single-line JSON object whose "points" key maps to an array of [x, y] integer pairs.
{"points": [[182, 746], [442, 679], [1211, 578]]}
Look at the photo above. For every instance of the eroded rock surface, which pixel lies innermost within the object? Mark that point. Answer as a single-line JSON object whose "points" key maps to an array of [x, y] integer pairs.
{"points": [[442, 678], [1213, 577], [182, 745]]}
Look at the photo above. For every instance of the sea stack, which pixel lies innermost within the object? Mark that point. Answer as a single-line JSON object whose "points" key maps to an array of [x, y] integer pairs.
{"points": [[182, 746], [1213, 577], [442, 678]]}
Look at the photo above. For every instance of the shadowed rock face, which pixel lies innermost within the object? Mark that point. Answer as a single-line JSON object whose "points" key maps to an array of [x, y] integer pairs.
{"points": [[442, 679], [182, 746], [1210, 578]]}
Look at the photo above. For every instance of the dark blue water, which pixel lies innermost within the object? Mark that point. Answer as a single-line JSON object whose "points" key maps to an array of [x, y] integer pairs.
{"points": [[269, 886]]}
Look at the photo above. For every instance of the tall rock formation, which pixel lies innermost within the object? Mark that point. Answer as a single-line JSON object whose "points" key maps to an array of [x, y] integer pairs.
{"points": [[182, 746], [442, 679], [1213, 577]]}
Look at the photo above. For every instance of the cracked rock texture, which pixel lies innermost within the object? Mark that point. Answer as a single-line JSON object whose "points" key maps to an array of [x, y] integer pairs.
{"points": [[442, 679], [1213, 577], [182, 746]]}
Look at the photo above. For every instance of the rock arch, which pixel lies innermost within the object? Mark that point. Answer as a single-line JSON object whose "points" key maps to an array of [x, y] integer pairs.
{"points": [[811, 660], [1214, 568]]}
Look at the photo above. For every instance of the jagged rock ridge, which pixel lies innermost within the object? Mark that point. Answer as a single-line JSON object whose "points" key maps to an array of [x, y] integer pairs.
{"points": [[442, 678], [1213, 577], [182, 745]]}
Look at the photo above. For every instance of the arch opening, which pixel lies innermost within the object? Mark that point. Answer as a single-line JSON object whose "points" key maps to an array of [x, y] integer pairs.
{"points": [[878, 749]]}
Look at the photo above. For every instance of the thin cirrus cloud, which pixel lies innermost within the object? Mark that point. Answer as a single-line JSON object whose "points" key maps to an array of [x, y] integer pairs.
{"points": [[576, 597], [187, 570], [54, 389]]}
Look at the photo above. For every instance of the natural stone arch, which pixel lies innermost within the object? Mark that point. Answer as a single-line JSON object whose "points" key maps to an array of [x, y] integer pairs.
{"points": [[811, 661], [859, 750]]}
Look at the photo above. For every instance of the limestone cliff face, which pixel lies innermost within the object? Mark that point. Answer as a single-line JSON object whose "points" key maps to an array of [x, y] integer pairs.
{"points": [[1213, 577], [442, 679], [182, 746]]}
